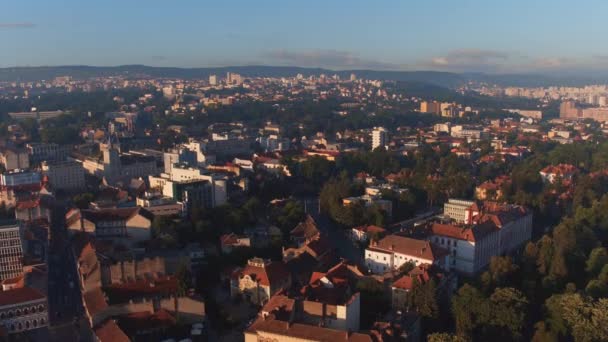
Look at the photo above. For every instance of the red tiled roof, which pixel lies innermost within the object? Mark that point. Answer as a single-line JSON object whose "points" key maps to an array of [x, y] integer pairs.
{"points": [[18, 281], [228, 239], [318, 247], [141, 287], [95, 301], [19, 295], [408, 246], [29, 204], [146, 320], [307, 332], [419, 274], [559, 169], [114, 214], [305, 229], [109, 331], [456, 232], [271, 273], [280, 306], [371, 229]]}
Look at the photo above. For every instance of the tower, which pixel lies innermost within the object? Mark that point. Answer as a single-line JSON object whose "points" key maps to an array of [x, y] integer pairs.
{"points": [[111, 156], [379, 138]]}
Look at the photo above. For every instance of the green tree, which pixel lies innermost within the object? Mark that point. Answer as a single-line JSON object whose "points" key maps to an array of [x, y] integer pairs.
{"points": [[508, 308], [597, 288], [586, 318], [499, 273], [471, 309], [423, 299], [598, 258]]}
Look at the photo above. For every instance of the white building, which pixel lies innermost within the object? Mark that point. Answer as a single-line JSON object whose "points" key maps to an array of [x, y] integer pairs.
{"points": [[393, 251], [202, 157], [498, 230], [379, 137], [470, 133], [213, 80], [462, 211], [169, 184], [115, 165]]}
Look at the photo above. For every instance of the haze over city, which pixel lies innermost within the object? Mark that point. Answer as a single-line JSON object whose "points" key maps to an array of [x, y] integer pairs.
{"points": [[471, 35]]}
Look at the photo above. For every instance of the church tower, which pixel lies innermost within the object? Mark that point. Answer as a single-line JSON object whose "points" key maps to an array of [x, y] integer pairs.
{"points": [[111, 156]]}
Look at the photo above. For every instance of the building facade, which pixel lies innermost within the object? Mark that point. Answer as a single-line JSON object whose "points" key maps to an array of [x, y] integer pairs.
{"points": [[68, 176], [23, 309], [11, 251], [393, 251]]}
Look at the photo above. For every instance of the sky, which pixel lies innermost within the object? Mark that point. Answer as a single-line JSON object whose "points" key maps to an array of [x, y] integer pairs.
{"points": [[496, 36]]}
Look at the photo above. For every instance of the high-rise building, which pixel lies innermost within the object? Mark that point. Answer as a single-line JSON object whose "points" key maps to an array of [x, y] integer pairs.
{"points": [[430, 107], [353, 77], [379, 137], [213, 80], [602, 101], [11, 251], [568, 109], [232, 78]]}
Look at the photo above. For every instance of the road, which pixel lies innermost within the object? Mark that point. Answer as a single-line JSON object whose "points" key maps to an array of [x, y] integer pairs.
{"points": [[410, 223], [65, 301]]}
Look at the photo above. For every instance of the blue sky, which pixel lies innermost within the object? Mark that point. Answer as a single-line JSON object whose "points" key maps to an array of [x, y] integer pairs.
{"points": [[452, 35]]}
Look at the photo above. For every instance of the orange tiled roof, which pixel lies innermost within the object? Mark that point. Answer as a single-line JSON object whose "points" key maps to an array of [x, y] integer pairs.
{"points": [[109, 331]]}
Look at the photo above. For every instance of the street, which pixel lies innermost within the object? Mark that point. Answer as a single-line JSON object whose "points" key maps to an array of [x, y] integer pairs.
{"points": [[64, 297]]}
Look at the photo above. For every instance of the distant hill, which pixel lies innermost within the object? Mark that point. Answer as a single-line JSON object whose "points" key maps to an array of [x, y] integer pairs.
{"points": [[444, 79]]}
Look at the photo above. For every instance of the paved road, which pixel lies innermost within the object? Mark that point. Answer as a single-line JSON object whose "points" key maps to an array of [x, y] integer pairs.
{"points": [[65, 301], [410, 224]]}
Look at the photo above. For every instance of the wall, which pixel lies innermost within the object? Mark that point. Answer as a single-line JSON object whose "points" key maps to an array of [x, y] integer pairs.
{"points": [[376, 262], [138, 228]]}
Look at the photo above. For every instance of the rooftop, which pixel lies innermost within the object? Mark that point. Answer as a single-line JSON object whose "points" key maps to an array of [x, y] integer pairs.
{"points": [[20, 295]]}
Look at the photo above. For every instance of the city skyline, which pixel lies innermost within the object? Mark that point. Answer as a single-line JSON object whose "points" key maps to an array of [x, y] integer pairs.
{"points": [[464, 36]]}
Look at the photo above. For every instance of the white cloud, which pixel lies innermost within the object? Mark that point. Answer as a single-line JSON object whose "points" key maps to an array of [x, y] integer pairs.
{"points": [[326, 58], [16, 25]]}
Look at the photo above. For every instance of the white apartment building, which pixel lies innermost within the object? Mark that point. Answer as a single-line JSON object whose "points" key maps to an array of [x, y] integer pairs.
{"points": [[462, 211], [393, 251], [379, 137]]}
